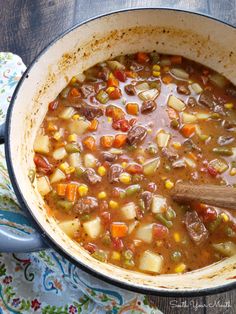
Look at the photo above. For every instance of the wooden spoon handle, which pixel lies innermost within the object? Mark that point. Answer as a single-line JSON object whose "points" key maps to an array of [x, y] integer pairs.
{"points": [[216, 195]]}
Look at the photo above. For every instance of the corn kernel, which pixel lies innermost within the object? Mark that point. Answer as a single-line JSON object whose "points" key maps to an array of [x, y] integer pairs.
{"points": [[176, 145], [156, 67], [225, 217], [229, 106], [109, 119], [51, 127], [113, 204], [102, 195], [110, 89], [83, 190], [177, 237], [115, 255], [125, 178], [72, 138], [169, 184], [73, 80], [102, 171], [156, 73], [57, 136], [233, 172], [75, 116], [69, 170], [149, 131], [64, 166], [180, 268], [124, 164]]}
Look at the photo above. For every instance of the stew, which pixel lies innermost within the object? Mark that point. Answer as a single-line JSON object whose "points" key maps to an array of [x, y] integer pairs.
{"points": [[114, 143]]}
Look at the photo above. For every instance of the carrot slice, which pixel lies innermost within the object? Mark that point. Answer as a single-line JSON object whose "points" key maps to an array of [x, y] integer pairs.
{"points": [[142, 57], [188, 129], [167, 79], [71, 192], [94, 125], [176, 59], [118, 229], [120, 140], [61, 189], [89, 143], [106, 141], [132, 108]]}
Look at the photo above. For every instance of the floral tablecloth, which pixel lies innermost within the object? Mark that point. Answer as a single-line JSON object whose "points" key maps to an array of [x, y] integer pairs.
{"points": [[30, 283]]}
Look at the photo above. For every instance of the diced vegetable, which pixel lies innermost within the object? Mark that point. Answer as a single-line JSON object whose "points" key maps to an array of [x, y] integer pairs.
{"points": [[59, 153], [75, 160], [144, 233], [180, 73], [132, 226], [100, 255], [142, 86], [196, 88], [158, 204], [71, 192], [93, 227], [203, 116], [116, 151], [120, 140], [43, 185], [102, 97], [150, 94], [89, 143], [220, 165], [142, 57], [225, 248], [188, 130], [188, 118], [151, 262], [90, 161], [163, 139], [190, 162], [61, 189], [78, 127], [67, 113], [57, 176], [150, 166], [72, 148], [41, 144], [218, 80], [223, 151], [115, 65], [106, 141], [132, 189], [163, 220], [176, 103], [129, 211], [132, 108], [70, 227], [119, 229]]}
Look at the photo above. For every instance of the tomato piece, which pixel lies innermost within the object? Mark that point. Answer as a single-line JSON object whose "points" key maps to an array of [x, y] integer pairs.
{"points": [[120, 75], [117, 244], [159, 231], [209, 215], [42, 164], [115, 94]]}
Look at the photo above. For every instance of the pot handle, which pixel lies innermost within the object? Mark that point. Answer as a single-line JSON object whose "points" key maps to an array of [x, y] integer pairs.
{"points": [[17, 232]]}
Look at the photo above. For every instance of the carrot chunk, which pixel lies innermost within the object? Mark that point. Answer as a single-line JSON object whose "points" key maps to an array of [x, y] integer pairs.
{"points": [[61, 189], [120, 140], [142, 57], [132, 108], [167, 79], [89, 143], [115, 94], [112, 81], [106, 141], [188, 129], [94, 125], [71, 192], [118, 229], [176, 59]]}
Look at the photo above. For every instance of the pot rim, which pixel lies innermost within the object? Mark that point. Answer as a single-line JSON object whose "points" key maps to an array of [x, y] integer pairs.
{"points": [[23, 203]]}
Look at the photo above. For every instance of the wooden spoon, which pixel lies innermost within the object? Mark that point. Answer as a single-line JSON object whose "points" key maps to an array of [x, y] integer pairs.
{"points": [[216, 195]]}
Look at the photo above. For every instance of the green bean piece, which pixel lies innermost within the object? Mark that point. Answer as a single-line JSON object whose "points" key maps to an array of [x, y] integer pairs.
{"points": [[176, 256], [31, 175], [163, 220], [223, 151], [102, 97], [128, 254], [122, 194], [215, 115], [133, 189], [100, 255], [152, 149], [170, 214], [72, 148], [66, 205]]}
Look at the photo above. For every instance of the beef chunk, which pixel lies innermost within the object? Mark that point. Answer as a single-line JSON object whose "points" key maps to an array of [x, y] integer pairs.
{"points": [[207, 99], [169, 154], [189, 145], [146, 197], [114, 172], [85, 205], [192, 102], [225, 140], [130, 90], [86, 90], [91, 112], [91, 177], [148, 106], [183, 89], [196, 229], [109, 157], [136, 134]]}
